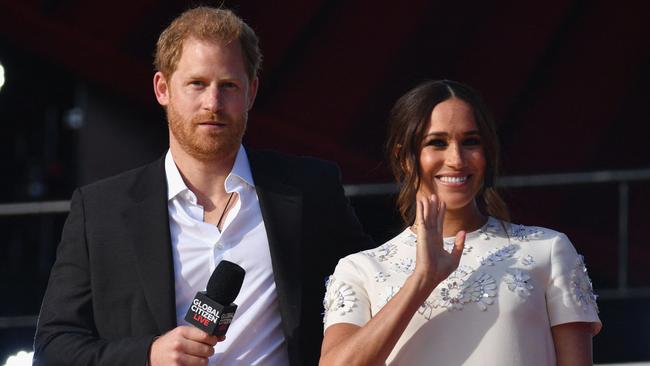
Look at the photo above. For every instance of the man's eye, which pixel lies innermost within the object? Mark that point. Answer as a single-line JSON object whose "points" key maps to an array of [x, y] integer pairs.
{"points": [[197, 83], [229, 85]]}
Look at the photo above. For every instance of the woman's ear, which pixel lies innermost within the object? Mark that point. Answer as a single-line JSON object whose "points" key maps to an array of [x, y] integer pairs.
{"points": [[405, 163]]}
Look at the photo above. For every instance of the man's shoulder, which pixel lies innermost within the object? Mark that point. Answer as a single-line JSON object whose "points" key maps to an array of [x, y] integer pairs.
{"points": [[126, 180]]}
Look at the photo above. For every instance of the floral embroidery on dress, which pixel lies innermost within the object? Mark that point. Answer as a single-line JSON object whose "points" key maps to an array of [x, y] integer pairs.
{"points": [[519, 282], [381, 276], [387, 294], [482, 291], [383, 252], [463, 286], [449, 245], [413, 239], [426, 309], [528, 260], [406, 266], [339, 297], [583, 291], [524, 233], [497, 255], [489, 231]]}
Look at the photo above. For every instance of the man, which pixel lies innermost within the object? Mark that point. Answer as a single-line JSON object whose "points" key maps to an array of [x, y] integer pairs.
{"points": [[137, 247]]}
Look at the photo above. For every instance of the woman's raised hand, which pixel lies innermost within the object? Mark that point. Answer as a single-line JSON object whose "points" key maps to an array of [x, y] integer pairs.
{"points": [[433, 263]]}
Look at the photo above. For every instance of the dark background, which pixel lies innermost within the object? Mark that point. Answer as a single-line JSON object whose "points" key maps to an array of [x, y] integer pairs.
{"points": [[566, 80]]}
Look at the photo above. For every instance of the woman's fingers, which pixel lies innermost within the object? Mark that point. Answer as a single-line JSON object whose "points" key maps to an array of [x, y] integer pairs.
{"points": [[440, 219], [419, 214], [459, 245]]}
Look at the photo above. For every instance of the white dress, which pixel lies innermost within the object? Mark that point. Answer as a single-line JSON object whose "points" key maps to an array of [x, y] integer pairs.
{"points": [[497, 308]]}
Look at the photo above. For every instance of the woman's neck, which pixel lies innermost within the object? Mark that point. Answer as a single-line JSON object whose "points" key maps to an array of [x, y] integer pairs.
{"points": [[467, 219]]}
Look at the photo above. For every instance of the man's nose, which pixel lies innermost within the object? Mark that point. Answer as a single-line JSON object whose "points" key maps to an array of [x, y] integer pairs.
{"points": [[212, 99]]}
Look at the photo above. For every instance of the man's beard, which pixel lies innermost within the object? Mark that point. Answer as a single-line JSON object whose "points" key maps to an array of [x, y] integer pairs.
{"points": [[207, 146]]}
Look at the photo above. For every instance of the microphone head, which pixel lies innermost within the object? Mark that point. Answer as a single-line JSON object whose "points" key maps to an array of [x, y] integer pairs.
{"points": [[225, 282]]}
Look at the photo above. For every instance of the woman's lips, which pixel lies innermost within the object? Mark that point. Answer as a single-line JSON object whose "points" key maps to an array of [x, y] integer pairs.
{"points": [[453, 180]]}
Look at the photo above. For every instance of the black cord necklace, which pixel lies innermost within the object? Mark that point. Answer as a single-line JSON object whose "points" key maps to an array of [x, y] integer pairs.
{"points": [[224, 210]]}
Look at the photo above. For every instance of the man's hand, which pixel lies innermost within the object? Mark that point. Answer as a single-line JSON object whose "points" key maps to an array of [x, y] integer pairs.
{"points": [[183, 346]]}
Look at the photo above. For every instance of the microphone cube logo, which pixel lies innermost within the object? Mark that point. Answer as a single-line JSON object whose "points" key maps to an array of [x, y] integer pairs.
{"points": [[209, 315]]}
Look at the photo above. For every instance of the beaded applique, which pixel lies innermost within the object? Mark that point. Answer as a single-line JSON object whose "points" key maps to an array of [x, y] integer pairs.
{"points": [[524, 233], [465, 286], [381, 276], [449, 245], [339, 297], [528, 260], [406, 266], [519, 282], [426, 309], [489, 231], [497, 255], [387, 294], [383, 252], [413, 239], [583, 291]]}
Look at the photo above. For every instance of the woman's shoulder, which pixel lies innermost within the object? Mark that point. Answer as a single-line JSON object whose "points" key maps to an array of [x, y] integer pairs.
{"points": [[383, 253], [519, 232]]}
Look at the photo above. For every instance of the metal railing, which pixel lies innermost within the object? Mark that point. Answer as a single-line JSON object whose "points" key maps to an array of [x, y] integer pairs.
{"points": [[621, 177]]}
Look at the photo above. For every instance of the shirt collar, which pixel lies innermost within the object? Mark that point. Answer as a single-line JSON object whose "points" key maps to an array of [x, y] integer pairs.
{"points": [[241, 171], [175, 183]]}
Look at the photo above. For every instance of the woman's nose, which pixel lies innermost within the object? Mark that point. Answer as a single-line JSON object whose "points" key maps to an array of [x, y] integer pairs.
{"points": [[454, 157]]}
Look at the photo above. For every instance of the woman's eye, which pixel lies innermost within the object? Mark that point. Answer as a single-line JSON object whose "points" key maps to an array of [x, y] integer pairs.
{"points": [[437, 143], [472, 141]]}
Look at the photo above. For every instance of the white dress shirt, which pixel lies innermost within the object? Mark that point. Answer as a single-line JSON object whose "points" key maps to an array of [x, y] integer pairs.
{"points": [[255, 336]]}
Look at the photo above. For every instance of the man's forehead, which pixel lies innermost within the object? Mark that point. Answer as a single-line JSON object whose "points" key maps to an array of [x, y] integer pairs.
{"points": [[216, 41]]}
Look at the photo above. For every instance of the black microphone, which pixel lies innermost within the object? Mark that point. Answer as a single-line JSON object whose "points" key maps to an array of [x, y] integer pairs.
{"points": [[212, 310]]}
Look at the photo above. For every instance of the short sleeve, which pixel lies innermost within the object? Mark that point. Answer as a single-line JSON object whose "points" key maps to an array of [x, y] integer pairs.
{"points": [[346, 299], [569, 295]]}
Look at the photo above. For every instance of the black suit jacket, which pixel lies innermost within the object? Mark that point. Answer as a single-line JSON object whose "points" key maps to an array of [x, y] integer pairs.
{"points": [[111, 289]]}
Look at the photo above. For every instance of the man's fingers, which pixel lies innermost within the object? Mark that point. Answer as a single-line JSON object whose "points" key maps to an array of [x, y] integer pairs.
{"points": [[196, 349], [198, 335], [189, 360], [183, 345]]}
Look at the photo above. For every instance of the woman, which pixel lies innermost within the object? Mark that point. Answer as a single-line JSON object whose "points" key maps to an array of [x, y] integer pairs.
{"points": [[460, 285]]}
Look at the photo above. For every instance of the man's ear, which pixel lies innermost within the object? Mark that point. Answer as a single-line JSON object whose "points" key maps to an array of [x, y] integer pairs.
{"points": [[252, 92], [161, 88]]}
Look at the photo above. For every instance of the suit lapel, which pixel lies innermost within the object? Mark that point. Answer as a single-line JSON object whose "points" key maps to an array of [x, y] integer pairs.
{"points": [[147, 223], [281, 206]]}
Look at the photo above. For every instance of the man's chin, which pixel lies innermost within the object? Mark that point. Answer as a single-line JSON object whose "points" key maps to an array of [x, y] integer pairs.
{"points": [[212, 152]]}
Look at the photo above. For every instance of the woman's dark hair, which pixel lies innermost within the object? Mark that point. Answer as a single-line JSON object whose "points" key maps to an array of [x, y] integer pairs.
{"points": [[408, 123]]}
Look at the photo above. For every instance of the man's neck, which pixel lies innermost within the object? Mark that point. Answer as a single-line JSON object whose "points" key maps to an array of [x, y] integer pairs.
{"points": [[204, 177]]}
